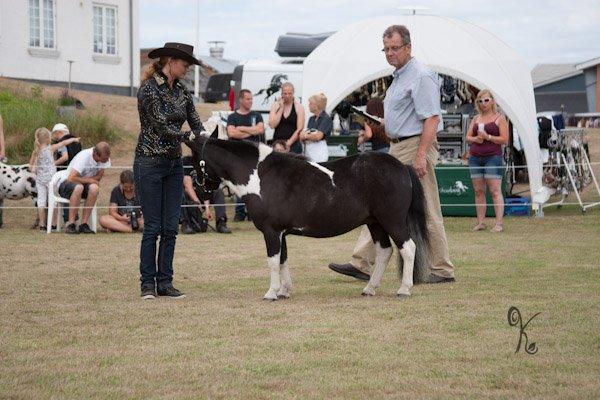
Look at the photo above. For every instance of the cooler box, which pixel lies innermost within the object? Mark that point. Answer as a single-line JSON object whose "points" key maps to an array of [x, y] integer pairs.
{"points": [[342, 146], [517, 206], [455, 189]]}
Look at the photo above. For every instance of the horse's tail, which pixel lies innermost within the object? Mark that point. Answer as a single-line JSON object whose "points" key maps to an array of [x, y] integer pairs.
{"points": [[417, 228]]}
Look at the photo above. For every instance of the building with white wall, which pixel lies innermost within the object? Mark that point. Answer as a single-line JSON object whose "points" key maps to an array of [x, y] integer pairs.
{"points": [[39, 38]]}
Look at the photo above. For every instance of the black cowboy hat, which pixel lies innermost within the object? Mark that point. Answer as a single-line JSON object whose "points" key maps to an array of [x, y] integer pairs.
{"points": [[176, 50]]}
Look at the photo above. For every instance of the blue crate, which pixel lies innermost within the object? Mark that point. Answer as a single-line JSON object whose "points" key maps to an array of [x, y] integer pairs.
{"points": [[517, 206]]}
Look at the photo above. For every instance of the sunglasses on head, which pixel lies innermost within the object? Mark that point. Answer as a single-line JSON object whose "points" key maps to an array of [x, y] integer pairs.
{"points": [[487, 100]]}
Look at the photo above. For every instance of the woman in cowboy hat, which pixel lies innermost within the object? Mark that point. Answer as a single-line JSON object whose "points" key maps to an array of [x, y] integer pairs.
{"points": [[164, 105]]}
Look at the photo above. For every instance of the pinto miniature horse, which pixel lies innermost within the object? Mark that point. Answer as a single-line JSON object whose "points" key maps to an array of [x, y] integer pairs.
{"points": [[16, 182], [286, 194]]}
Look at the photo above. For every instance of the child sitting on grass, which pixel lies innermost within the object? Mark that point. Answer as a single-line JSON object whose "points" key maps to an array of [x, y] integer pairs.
{"points": [[42, 165]]}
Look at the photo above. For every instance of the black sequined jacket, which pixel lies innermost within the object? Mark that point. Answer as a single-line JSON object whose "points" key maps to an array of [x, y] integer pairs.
{"points": [[163, 110]]}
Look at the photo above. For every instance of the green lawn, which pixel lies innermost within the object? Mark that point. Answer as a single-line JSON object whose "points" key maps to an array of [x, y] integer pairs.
{"points": [[73, 325]]}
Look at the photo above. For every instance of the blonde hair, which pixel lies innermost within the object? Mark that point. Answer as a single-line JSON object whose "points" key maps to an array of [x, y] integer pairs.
{"points": [[320, 101], [42, 137], [485, 93], [156, 66]]}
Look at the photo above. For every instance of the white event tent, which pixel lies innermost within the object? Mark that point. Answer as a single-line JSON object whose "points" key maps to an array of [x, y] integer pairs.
{"points": [[352, 57]]}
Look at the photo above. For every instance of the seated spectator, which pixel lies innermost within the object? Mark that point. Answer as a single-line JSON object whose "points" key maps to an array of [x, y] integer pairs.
{"points": [[124, 213], [191, 217], [280, 146], [83, 182], [65, 154]]}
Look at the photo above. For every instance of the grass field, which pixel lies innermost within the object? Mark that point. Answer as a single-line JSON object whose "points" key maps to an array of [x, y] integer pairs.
{"points": [[73, 325]]}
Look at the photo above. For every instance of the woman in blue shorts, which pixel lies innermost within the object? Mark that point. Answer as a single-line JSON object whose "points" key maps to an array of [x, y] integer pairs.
{"points": [[487, 133]]}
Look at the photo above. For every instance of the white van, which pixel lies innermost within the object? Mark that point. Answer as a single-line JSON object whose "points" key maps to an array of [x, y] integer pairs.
{"points": [[264, 79]]}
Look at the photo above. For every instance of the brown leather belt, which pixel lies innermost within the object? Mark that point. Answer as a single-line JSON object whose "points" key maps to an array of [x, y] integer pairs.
{"points": [[400, 139]]}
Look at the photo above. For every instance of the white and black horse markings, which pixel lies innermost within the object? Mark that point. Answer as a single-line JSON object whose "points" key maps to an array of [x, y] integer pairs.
{"points": [[16, 182], [286, 194]]}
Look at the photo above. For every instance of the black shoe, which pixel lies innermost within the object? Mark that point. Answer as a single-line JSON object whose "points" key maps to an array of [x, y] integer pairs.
{"points": [[222, 227], [239, 217], [148, 293], [85, 228], [439, 279], [42, 228], [350, 270], [170, 291], [199, 226], [71, 229], [187, 230], [54, 228]]}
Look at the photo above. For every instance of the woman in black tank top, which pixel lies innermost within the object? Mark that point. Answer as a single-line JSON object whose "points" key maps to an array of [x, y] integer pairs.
{"points": [[287, 128]]}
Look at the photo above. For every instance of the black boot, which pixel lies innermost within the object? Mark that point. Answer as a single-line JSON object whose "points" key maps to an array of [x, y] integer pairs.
{"points": [[222, 226], [186, 229]]}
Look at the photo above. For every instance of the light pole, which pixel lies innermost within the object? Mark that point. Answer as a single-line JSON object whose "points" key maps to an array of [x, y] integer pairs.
{"points": [[197, 47], [70, 64]]}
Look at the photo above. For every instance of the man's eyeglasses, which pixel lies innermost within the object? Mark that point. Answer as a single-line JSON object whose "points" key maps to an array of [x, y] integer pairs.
{"points": [[484, 101], [393, 49]]}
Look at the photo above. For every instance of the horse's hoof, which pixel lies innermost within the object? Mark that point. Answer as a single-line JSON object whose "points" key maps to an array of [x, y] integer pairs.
{"points": [[402, 296], [269, 299], [283, 297], [366, 294]]}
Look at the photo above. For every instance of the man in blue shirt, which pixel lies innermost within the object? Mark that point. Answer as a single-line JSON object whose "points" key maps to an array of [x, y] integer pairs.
{"points": [[412, 118]]}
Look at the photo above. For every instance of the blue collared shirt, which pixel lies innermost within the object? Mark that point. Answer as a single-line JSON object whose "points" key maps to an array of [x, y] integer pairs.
{"points": [[413, 96]]}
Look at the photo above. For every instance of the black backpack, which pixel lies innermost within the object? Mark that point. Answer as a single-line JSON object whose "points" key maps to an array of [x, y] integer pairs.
{"points": [[191, 215], [545, 130], [72, 149]]}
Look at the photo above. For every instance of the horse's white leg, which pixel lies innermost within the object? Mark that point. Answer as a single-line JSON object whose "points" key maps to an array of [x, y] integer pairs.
{"points": [[382, 257], [408, 257], [273, 264], [286, 281]]}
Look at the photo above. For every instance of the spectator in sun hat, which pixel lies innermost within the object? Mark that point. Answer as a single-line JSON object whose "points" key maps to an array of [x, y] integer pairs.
{"points": [[64, 155]]}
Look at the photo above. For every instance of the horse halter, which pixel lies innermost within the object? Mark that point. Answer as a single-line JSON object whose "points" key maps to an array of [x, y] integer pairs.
{"points": [[204, 177]]}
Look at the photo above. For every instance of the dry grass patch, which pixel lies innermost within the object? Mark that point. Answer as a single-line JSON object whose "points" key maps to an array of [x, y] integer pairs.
{"points": [[74, 326]]}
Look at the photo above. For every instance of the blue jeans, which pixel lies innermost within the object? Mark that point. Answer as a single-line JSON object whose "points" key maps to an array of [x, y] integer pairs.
{"points": [[240, 209], [159, 187], [488, 167]]}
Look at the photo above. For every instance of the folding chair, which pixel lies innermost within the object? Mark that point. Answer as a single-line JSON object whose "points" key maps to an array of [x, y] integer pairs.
{"points": [[55, 202]]}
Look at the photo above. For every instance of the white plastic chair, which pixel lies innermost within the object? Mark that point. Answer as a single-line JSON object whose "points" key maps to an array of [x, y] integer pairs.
{"points": [[55, 202]]}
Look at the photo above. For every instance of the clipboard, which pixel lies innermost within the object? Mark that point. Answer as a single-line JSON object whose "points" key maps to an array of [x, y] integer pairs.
{"points": [[365, 116]]}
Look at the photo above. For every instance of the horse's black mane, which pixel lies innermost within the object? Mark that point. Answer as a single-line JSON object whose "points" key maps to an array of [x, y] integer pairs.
{"points": [[244, 149]]}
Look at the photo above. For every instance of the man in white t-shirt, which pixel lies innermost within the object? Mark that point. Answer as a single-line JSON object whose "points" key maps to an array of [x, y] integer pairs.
{"points": [[82, 182]]}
